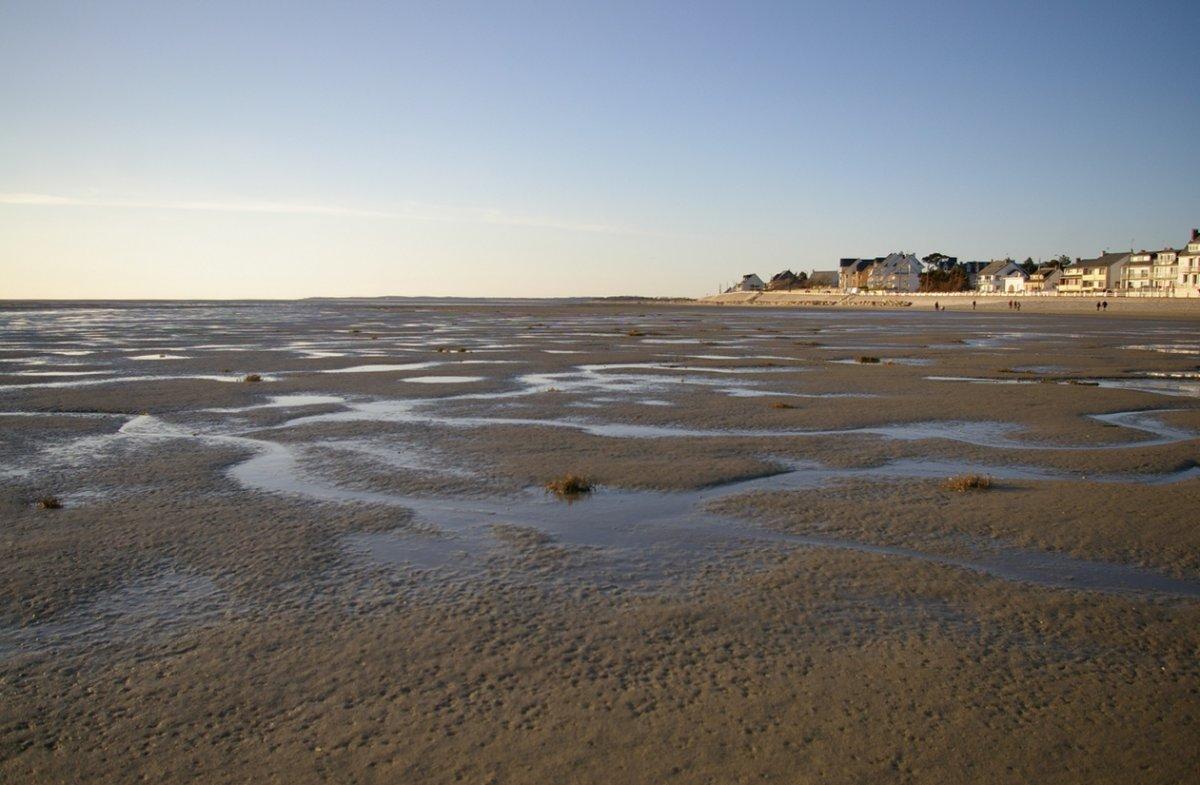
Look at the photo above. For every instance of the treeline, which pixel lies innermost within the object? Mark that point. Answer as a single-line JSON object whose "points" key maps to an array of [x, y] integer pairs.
{"points": [[953, 280], [787, 281]]}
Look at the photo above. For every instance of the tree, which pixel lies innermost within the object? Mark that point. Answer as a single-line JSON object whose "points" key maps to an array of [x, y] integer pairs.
{"points": [[787, 280], [953, 280]]}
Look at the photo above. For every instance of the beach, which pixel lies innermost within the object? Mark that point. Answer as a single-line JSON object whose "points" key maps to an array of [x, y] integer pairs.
{"points": [[310, 541], [1061, 305]]}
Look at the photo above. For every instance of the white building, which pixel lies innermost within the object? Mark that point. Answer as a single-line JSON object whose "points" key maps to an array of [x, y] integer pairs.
{"points": [[749, 283], [1135, 275], [991, 279], [1164, 273], [896, 272], [1189, 266], [1014, 282]]}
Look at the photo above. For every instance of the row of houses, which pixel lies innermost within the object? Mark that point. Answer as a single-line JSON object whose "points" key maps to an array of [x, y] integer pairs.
{"points": [[1169, 272]]}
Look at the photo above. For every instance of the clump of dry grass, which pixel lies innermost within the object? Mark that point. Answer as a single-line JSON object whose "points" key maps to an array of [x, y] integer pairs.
{"points": [[867, 359], [252, 377], [968, 482], [569, 486], [49, 502], [781, 405], [635, 333]]}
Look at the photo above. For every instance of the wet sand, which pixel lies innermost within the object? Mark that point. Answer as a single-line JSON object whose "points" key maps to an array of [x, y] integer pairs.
{"points": [[348, 571]]}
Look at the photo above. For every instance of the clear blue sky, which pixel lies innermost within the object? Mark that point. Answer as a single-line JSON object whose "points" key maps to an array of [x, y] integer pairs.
{"points": [[289, 149]]}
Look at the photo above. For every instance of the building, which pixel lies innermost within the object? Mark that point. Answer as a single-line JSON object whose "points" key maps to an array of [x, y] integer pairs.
{"points": [[990, 279], [1014, 282], [1093, 276], [749, 283], [1043, 279], [972, 270], [853, 272], [823, 279], [1164, 273], [1189, 266], [1135, 275], [897, 272]]}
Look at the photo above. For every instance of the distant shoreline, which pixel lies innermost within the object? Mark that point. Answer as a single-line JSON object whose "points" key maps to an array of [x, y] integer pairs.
{"points": [[1177, 307]]}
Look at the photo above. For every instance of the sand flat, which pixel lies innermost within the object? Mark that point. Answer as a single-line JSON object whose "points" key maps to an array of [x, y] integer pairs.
{"points": [[339, 575]]}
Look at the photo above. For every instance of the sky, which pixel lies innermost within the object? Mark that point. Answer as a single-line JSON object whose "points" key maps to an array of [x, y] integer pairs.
{"points": [[293, 149]]}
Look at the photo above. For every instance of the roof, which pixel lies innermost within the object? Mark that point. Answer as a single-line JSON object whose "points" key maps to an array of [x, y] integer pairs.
{"points": [[897, 259], [1103, 260], [823, 276], [994, 267], [858, 265]]}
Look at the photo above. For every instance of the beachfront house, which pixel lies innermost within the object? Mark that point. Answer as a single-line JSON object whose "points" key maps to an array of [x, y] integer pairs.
{"points": [[749, 283], [853, 273], [1014, 282], [1189, 267], [1135, 275], [991, 279], [1164, 273], [972, 270], [1094, 276], [897, 272], [1043, 279]]}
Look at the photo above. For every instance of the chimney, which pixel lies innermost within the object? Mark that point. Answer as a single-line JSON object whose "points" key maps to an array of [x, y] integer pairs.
{"points": [[1196, 235]]}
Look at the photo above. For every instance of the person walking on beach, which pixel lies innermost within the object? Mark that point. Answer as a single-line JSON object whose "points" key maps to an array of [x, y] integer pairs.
{"points": [[1106, 305], [1097, 306], [972, 305]]}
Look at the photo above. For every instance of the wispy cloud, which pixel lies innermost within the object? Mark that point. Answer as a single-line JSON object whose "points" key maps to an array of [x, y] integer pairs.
{"points": [[405, 211]]}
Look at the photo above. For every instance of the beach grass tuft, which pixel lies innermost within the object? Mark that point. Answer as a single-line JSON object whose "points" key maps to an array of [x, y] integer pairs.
{"points": [[868, 360], [252, 377], [569, 486], [49, 502], [968, 482]]}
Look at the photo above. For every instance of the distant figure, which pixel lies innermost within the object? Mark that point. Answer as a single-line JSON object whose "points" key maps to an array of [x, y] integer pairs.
{"points": [[1097, 306], [1106, 305], [1018, 305], [972, 305], [935, 306]]}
